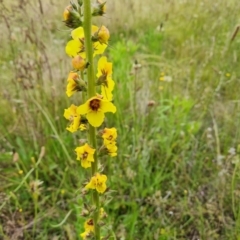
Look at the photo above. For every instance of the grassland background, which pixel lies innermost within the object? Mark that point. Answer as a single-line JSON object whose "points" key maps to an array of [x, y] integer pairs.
{"points": [[177, 171]]}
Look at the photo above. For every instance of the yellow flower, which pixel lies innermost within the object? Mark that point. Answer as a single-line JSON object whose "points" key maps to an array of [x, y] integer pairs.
{"points": [[94, 108], [109, 135], [85, 154], [102, 213], [72, 85], [98, 182], [88, 225], [112, 149], [85, 235], [104, 76], [76, 46], [74, 118]]}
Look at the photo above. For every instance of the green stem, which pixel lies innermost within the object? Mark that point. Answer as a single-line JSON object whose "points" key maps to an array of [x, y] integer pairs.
{"points": [[87, 26]]}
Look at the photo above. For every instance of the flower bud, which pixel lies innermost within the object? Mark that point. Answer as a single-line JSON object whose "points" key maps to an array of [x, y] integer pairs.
{"points": [[71, 17], [80, 3], [102, 35], [79, 63], [151, 103], [66, 13], [99, 8]]}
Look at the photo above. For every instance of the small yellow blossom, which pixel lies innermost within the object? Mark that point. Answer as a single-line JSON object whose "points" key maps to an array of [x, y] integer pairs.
{"points": [[62, 191], [109, 135], [98, 182], [88, 225], [104, 76], [74, 118], [20, 210], [102, 213], [94, 108], [20, 172], [162, 78], [112, 149], [72, 85], [76, 46], [85, 154], [85, 235]]}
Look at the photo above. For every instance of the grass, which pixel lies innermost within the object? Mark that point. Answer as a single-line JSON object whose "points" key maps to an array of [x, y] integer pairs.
{"points": [[177, 172]]}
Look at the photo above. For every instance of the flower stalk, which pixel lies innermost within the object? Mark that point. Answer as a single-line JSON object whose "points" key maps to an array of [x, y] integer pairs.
{"points": [[87, 26], [88, 41]]}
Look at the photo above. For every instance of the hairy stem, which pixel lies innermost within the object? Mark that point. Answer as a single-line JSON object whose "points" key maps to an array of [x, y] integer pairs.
{"points": [[87, 25]]}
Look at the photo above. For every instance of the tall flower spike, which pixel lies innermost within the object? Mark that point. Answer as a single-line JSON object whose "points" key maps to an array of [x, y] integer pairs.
{"points": [[94, 109]]}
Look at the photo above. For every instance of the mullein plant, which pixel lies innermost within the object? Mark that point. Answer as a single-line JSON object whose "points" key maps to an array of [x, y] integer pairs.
{"points": [[95, 85]]}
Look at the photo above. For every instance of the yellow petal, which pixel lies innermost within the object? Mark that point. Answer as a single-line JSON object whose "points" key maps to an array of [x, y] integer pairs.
{"points": [[103, 178], [83, 109], [67, 113], [85, 164], [101, 65], [101, 188], [94, 29], [73, 47], [108, 107], [99, 48], [90, 185], [95, 118], [78, 33], [106, 93], [71, 87]]}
